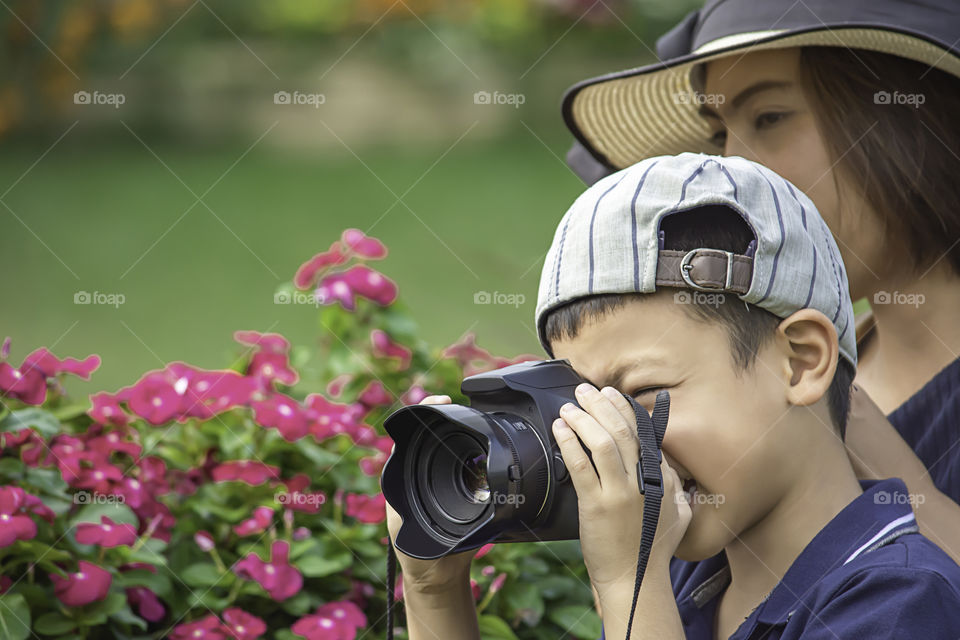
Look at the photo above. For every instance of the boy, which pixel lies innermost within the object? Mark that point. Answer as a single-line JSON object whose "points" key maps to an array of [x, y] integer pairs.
{"points": [[717, 280]]}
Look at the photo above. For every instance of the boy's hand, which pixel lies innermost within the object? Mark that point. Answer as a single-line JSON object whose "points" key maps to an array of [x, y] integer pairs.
{"points": [[609, 499]]}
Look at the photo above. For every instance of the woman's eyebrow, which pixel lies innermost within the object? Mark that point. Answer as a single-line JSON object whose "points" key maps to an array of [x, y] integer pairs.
{"points": [[746, 94]]}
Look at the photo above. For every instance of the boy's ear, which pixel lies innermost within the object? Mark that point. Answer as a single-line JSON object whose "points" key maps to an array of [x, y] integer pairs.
{"points": [[812, 352]]}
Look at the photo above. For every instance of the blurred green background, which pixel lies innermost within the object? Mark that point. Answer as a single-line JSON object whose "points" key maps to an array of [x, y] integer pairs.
{"points": [[202, 192]]}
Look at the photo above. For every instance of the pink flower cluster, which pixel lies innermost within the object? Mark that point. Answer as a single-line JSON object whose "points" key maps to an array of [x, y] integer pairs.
{"points": [[16, 507], [237, 624], [28, 382], [331, 621], [344, 286], [474, 359]]}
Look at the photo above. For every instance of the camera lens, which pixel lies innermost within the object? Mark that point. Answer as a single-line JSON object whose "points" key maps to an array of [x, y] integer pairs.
{"points": [[453, 475], [474, 479]]}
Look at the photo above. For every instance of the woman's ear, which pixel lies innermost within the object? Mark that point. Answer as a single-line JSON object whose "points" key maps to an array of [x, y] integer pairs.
{"points": [[812, 353]]}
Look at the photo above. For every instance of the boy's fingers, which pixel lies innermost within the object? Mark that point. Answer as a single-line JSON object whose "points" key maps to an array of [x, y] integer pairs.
{"points": [[604, 450], [625, 432], [436, 400], [578, 465]]}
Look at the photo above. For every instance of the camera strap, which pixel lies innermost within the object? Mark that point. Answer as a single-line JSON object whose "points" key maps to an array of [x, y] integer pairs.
{"points": [[650, 430]]}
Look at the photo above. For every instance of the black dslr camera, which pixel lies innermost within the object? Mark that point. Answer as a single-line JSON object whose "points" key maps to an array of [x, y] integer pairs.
{"points": [[461, 477]]}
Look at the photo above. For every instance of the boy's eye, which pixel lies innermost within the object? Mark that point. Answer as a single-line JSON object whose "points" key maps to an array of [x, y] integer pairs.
{"points": [[646, 390]]}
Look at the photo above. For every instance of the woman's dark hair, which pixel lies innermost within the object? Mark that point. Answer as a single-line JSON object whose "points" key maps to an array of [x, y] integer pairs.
{"points": [[748, 327], [891, 126]]}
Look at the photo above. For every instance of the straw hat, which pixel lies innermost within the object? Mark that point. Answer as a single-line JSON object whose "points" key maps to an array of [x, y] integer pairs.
{"points": [[622, 117]]}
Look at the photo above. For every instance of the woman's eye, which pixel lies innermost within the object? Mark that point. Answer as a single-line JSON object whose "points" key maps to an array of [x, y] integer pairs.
{"points": [[768, 119]]}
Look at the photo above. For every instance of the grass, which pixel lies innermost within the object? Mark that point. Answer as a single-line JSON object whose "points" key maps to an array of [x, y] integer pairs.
{"points": [[109, 217]]}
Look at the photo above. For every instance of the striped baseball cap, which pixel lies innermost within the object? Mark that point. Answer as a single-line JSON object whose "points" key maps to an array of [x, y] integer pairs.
{"points": [[610, 241]]}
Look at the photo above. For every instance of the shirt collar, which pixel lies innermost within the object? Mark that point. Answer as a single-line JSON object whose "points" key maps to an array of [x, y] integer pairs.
{"points": [[881, 513]]}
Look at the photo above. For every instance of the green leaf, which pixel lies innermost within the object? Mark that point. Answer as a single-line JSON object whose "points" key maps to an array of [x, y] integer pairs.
{"points": [[54, 624], [11, 467], [39, 419], [70, 412], [524, 600], [316, 566], [582, 622], [14, 617], [116, 511], [156, 582], [97, 612], [205, 574], [494, 628], [126, 617]]}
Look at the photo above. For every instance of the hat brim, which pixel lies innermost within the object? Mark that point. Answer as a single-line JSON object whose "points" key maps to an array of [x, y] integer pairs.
{"points": [[626, 116]]}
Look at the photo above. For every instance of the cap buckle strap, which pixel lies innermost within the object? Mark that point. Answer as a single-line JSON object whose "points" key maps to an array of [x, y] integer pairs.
{"points": [[686, 267]]}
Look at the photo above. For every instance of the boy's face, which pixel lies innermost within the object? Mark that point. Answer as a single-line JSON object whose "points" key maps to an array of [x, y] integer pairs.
{"points": [[731, 432]]}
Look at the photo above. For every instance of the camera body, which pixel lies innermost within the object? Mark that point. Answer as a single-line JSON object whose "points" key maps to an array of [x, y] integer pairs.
{"points": [[463, 476]]}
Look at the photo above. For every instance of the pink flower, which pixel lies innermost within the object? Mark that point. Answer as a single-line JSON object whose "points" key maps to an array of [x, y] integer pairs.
{"points": [[114, 441], [363, 245], [29, 386], [373, 465], [475, 589], [497, 583], [269, 342], [307, 273], [106, 409], [335, 386], [5, 349], [414, 395], [262, 517], [106, 534], [278, 577], [208, 628], [368, 509], [375, 394], [147, 603], [89, 584], [384, 347], [50, 365], [249, 471], [331, 418], [331, 621], [204, 540], [242, 625], [358, 280], [14, 525], [484, 550], [155, 398], [282, 413], [268, 367], [219, 391]]}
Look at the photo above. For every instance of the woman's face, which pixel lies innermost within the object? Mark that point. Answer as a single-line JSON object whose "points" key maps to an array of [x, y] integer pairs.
{"points": [[756, 108]]}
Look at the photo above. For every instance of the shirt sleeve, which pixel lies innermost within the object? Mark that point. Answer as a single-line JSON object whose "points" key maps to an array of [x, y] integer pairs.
{"points": [[888, 604]]}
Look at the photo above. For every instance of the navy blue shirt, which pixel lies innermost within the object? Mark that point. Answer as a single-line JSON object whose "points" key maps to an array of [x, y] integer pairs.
{"points": [[929, 421], [868, 574]]}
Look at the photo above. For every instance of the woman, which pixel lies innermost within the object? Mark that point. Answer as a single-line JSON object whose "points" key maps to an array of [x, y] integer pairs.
{"points": [[855, 103]]}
